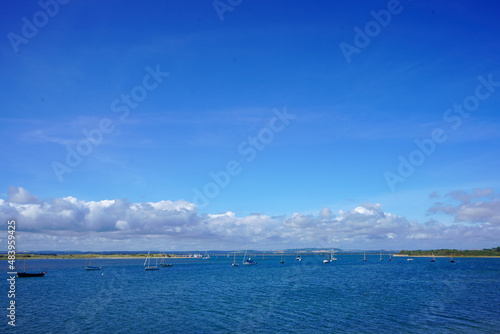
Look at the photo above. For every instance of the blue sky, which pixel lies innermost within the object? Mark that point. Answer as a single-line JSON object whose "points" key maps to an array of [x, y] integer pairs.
{"points": [[326, 166]]}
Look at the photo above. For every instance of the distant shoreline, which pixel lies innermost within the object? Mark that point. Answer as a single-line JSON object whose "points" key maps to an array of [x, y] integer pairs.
{"points": [[143, 256], [457, 256]]}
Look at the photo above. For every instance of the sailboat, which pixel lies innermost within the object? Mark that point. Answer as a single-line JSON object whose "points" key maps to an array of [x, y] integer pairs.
{"points": [[433, 258], [451, 258], [327, 258], [390, 257], [381, 258], [248, 261], [282, 260], [149, 267], [89, 267], [298, 258], [333, 255], [25, 274], [163, 264], [234, 261], [364, 256], [409, 259]]}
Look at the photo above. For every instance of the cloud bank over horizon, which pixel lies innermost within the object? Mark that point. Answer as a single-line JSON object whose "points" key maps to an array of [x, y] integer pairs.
{"points": [[71, 224]]}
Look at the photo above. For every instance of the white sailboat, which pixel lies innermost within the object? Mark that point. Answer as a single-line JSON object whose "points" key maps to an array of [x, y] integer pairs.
{"points": [[381, 258], [364, 256], [327, 258], [150, 267], [333, 255], [234, 261], [433, 258], [248, 261]]}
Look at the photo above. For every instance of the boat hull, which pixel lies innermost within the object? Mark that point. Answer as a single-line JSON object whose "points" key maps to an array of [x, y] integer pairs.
{"points": [[92, 268], [31, 274], [249, 263]]}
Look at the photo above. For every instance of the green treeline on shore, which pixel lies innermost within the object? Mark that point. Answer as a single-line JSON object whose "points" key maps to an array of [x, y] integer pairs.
{"points": [[454, 252]]}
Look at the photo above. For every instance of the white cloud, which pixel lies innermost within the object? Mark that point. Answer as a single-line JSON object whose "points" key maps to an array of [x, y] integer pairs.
{"points": [[70, 223], [478, 206], [20, 195], [326, 213]]}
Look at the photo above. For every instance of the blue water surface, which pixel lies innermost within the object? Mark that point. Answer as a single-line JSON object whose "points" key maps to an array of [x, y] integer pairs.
{"points": [[211, 296]]}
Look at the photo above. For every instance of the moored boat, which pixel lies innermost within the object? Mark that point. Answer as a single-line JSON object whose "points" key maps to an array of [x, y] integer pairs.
{"points": [[163, 264], [150, 267], [89, 267], [25, 274], [234, 261]]}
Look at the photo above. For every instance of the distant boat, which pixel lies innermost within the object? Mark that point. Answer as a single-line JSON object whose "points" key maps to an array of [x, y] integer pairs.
{"points": [[298, 258], [381, 258], [89, 267], [248, 261], [333, 255], [163, 264], [207, 256], [25, 274], [433, 258], [282, 259], [234, 261], [390, 257], [451, 258], [149, 267], [409, 259], [327, 258], [364, 256]]}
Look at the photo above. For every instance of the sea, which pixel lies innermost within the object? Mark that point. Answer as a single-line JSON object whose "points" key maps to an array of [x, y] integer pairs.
{"points": [[211, 296]]}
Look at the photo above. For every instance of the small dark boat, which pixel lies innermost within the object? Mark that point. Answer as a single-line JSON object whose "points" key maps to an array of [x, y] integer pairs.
{"points": [[25, 274], [163, 264], [92, 268], [451, 259], [89, 267]]}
